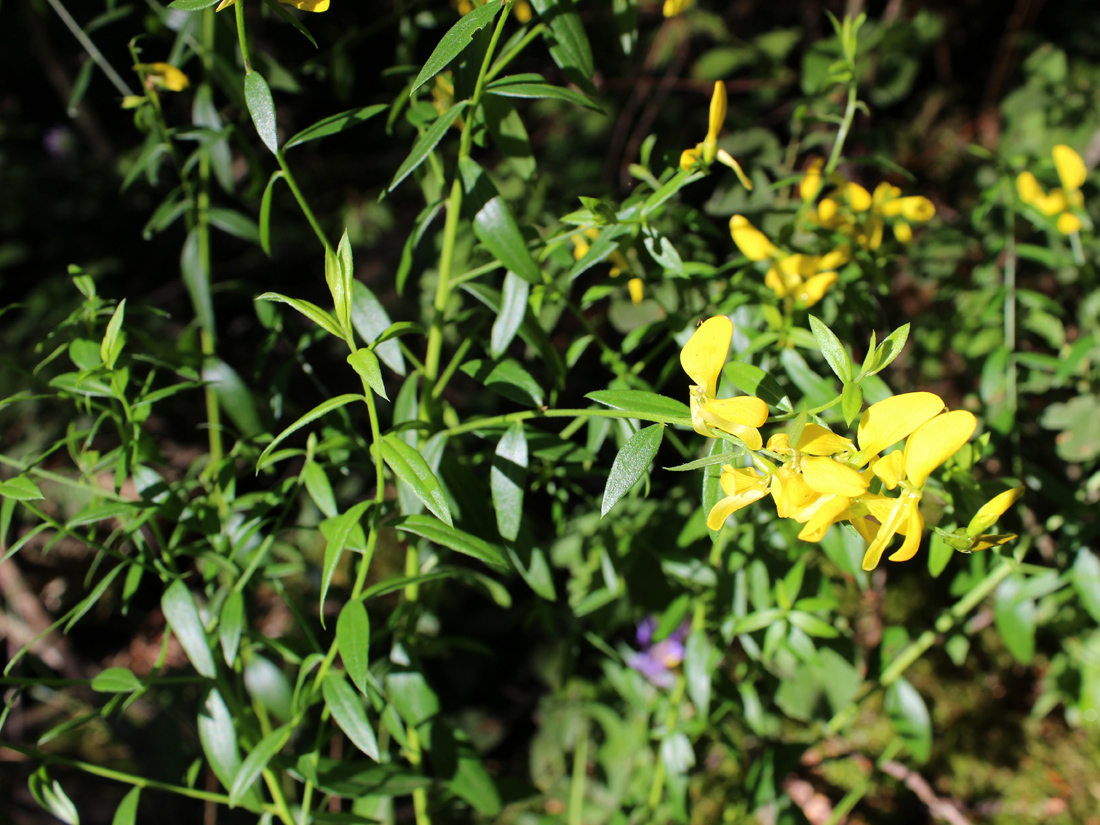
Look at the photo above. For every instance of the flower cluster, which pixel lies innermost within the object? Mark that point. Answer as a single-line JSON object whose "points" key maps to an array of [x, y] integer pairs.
{"points": [[850, 210], [1061, 201], [804, 278], [163, 76], [822, 478]]}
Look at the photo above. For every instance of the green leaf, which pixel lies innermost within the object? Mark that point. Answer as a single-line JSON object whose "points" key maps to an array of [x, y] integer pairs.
{"points": [[851, 402], [813, 625], [319, 489], [697, 658], [428, 141], [20, 488], [469, 779], [115, 680], [183, 617], [257, 96], [506, 377], [342, 528], [513, 308], [126, 812], [334, 124], [910, 718], [256, 761], [495, 227], [455, 41], [310, 310], [353, 640], [284, 13], [232, 222], [1014, 617], [347, 709], [192, 5], [507, 480], [365, 363], [567, 41], [409, 466], [642, 403], [233, 396], [322, 408], [265, 212], [111, 346], [535, 86], [49, 794], [458, 540], [372, 322], [631, 462], [890, 348], [414, 699], [1086, 581], [832, 349], [197, 280], [231, 625], [218, 735], [817, 390], [711, 492]]}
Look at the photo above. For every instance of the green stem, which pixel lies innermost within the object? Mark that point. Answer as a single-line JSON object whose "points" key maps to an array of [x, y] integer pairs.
{"points": [[580, 774], [302, 203], [90, 47], [242, 37], [845, 126], [511, 418]]}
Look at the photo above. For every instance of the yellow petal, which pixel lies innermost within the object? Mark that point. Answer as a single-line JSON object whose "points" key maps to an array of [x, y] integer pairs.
{"points": [[811, 181], [837, 258], [883, 198], [779, 443], [224, 4], [816, 440], [708, 414], [580, 247], [704, 355], [1068, 223], [874, 232], [781, 284], [691, 158], [675, 7], [830, 512], [1071, 169], [307, 5], [858, 197], [1028, 188], [992, 510], [637, 290], [828, 476], [753, 244], [164, 76], [717, 111], [726, 159], [936, 441], [891, 469], [1053, 203], [985, 542], [522, 11], [903, 232], [917, 209], [744, 409], [739, 479], [897, 515], [743, 495], [826, 211], [889, 421], [791, 493], [913, 530], [814, 289]]}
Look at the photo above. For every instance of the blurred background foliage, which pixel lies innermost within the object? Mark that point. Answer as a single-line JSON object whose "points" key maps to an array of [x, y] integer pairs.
{"points": [[1005, 310]]}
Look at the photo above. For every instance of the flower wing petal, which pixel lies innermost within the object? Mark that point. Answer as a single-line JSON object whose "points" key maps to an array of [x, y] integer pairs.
{"points": [[1071, 169], [936, 441], [704, 355], [889, 421], [825, 475]]}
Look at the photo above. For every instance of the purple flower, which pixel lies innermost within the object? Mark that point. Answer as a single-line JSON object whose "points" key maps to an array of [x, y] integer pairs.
{"points": [[656, 660], [60, 142]]}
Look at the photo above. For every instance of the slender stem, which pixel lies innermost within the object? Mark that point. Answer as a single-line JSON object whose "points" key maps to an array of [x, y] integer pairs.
{"points": [[302, 203], [512, 53], [511, 418], [580, 774], [845, 126], [419, 795], [242, 36], [90, 47]]}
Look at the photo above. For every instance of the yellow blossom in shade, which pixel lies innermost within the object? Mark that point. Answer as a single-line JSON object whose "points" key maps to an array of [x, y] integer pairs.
{"points": [[753, 243], [702, 358], [672, 8], [1070, 166], [636, 288], [1061, 201], [303, 5], [705, 153], [810, 185], [522, 11], [163, 76]]}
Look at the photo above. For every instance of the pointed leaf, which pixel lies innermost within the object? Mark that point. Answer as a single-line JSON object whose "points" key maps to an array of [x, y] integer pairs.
{"points": [[631, 462], [910, 718], [832, 350], [347, 709], [455, 41], [20, 488], [495, 227], [308, 309], [642, 403], [353, 640], [231, 625], [507, 480], [342, 530], [322, 408], [334, 124], [371, 321], [427, 142], [256, 761], [513, 308], [126, 812], [183, 617], [115, 680], [365, 363], [409, 466], [458, 540], [261, 106]]}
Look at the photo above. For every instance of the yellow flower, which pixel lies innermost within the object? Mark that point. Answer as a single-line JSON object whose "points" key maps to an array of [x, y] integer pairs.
{"points": [[676, 7], [810, 185], [705, 153], [806, 278], [742, 486], [163, 76], [303, 5], [851, 210], [753, 243], [616, 259], [1061, 201], [702, 358]]}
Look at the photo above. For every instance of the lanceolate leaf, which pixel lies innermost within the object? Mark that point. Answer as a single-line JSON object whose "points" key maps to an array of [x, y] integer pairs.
{"points": [[409, 466], [428, 141], [632, 461], [832, 349], [256, 761], [513, 307], [261, 106], [455, 41], [344, 525], [507, 480], [456, 539], [265, 212], [183, 617], [308, 309], [910, 717], [534, 86], [347, 709], [567, 41], [365, 362], [316, 412], [353, 640], [495, 227], [641, 402], [334, 124]]}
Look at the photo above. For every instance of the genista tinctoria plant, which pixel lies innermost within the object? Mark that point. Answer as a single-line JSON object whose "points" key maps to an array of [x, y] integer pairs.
{"points": [[464, 542]]}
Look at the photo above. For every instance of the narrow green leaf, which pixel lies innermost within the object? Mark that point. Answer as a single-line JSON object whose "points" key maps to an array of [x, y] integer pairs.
{"points": [[353, 640], [343, 526], [20, 488], [495, 227], [347, 709], [508, 480], [697, 658], [513, 308], [365, 363], [319, 489], [509, 134], [115, 680], [1014, 617], [1086, 581], [183, 617], [711, 491], [890, 348], [265, 212], [455, 41], [256, 761], [413, 697], [832, 349], [567, 41], [535, 86], [257, 96], [308, 309], [231, 625], [218, 736], [191, 5], [699, 463], [126, 812], [232, 222], [197, 280], [49, 794], [111, 346], [817, 390], [910, 718], [851, 402], [371, 321], [631, 462], [506, 377], [641, 402], [284, 13], [233, 395], [458, 540], [409, 466], [322, 408], [428, 141], [334, 124]]}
